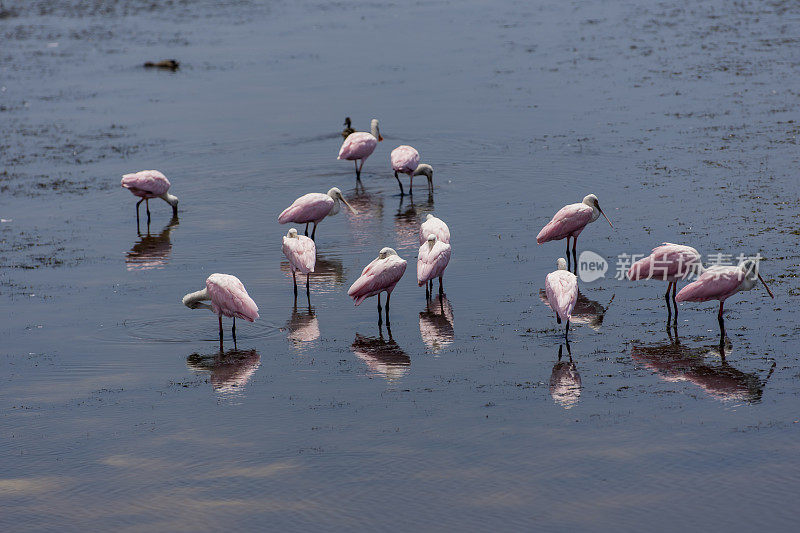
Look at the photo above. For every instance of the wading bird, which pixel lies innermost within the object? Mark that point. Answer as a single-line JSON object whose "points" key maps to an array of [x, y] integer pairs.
{"points": [[570, 221], [228, 298], [562, 292], [382, 274], [405, 160], [313, 207], [431, 261], [302, 255], [348, 129], [720, 283], [148, 184], [360, 145], [668, 262], [437, 227]]}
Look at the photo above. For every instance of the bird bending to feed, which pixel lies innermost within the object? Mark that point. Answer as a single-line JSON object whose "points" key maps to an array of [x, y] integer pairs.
{"points": [[720, 283], [148, 184], [313, 207], [668, 262], [228, 298], [360, 145], [348, 129], [405, 160], [301, 253], [431, 261], [382, 274], [561, 287], [437, 227], [570, 221]]}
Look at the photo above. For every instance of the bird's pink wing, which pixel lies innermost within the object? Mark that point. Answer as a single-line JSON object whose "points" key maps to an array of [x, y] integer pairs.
{"points": [[379, 275], [151, 181], [404, 159], [229, 297], [301, 253], [437, 227], [562, 292], [569, 219], [358, 145], [667, 261], [310, 207], [431, 262], [714, 284]]}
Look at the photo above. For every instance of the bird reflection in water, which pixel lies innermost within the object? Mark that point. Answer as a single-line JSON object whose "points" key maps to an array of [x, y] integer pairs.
{"points": [[565, 382], [229, 371], [407, 221], [328, 272], [151, 251], [369, 216], [382, 356], [587, 312], [303, 328], [675, 362], [436, 324]]}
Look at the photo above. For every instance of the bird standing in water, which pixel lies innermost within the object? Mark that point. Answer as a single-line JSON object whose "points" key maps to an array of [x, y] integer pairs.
{"points": [[228, 298], [561, 287], [147, 184], [302, 255], [432, 259], [382, 274], [313, 207], [570, 221], [360, 145]]}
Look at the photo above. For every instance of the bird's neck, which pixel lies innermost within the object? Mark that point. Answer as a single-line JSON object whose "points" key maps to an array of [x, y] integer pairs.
{"points": [[373, 129], [194, 300]]}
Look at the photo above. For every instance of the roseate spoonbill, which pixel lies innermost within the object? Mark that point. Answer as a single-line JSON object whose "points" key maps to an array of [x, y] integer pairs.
{"points": [[382, 274], [348, 129], [405, 160], [722, 282], [668, 262], [301, 253], [228, 298], [562, 292], [437, 227], [565, 382], [570, 221], [313, 207], [360, 145], [148, 184], [431, 261]]}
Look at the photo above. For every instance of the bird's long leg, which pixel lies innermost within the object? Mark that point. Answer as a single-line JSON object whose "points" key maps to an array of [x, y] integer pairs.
{"points": [[360, 168], [674, 302], [411, 184], [358, 172], [314, 231], [566, 333], [669, 307], [721, 321], [441, 290], [400, 183], [560, 347], [137, 214], [427, 292], [294, 278], [220, 329], [558, 318], [233, 332], [569, 259], [308, 290], [574, 255], [306, 233], [380, 317], [388, 295], [147, 206]]}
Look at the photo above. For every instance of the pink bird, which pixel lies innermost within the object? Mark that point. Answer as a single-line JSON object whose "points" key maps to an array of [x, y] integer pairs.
{"points": [[360, 145], [437, 227], [720, 283], [570, 221], [405, 160], [302, 255], [432, 259], [382, 274], [148, 184], [668, 262], [228, 298], [313, 207], [561, 287]]}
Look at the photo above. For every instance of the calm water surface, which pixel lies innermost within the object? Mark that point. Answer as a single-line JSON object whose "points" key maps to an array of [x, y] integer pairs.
{"points": [[119, 410]]}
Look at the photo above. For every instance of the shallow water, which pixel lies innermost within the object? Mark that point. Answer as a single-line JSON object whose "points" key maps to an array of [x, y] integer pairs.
{"points": [[118, 407]]}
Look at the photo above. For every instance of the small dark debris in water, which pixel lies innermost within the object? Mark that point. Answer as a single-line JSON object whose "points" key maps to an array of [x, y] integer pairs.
{"points": [[166, 64]]}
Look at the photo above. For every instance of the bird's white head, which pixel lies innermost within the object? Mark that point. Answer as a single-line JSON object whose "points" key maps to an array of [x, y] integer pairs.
{"points": [[336, 194], [375, 129], [172, 200], [386, 252], [591, 201], [292, 233], [424, 169], [561, 263], [751, 275], [431, 241], [429, 216]]}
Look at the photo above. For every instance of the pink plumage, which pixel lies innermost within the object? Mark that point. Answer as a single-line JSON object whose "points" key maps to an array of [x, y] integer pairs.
{"points": [[405, 159], [229, 297], [358, 145], [561, 287], [301, 253], [668, 262], [435, 226], [716, 283], [382, 274], [431, 261], [312, 207], [568, 222], [146, 183]]}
